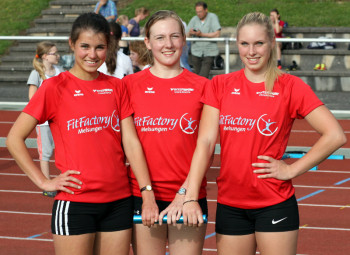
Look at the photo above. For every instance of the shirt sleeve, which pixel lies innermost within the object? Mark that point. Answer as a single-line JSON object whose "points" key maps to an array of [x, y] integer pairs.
{"points": [[42, 106], [34, 79], [303, 99], [124, 102], [215, 23], [212, 94]]}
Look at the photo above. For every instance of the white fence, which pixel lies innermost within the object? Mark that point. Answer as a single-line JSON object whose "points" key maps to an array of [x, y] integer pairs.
{"points": [[226, 40]]}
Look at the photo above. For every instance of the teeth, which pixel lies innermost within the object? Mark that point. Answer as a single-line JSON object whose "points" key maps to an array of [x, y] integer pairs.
{"points": [[91, 62]]}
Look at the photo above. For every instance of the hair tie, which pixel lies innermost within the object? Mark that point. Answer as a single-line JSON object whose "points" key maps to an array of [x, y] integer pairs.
{"points": [[36, 56], [112, 33]]}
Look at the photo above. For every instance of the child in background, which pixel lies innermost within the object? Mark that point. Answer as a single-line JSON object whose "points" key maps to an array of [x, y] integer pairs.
{"points": [[45, 66], [140, 56], [123, 21], [278, 25]]}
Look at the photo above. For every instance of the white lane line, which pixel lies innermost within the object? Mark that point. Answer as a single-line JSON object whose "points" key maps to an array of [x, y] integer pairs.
{"points": [[11, 159]]}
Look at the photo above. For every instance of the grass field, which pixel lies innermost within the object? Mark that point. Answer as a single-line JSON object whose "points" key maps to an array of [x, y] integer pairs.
{"points": [[18, 15]]}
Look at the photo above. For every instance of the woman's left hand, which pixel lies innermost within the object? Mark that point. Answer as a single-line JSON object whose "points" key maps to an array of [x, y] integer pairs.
{"points": [[277, 169], [174, 210]]}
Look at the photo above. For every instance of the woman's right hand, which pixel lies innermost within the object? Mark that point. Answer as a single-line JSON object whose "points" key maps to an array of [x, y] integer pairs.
{"points": [[63, 182], [192, 214]]}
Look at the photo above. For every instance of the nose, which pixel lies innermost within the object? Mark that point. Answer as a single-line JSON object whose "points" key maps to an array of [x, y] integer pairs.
{"points": [[168, 42], [252, 50], [92, 53]]}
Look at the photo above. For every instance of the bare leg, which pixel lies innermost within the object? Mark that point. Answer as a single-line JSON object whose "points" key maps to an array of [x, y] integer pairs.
{"points": [[236, 244], [186, 240], [277, 243], [147, 240], [75, 244], [117, 242]]}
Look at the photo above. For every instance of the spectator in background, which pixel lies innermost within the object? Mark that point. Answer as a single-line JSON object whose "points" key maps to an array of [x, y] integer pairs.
{"points": [[278, 25], [123, 21], [134, 26], [204, 24], [45, 66], [185, 50], [140, 56], [107, 9], [118, 65]]}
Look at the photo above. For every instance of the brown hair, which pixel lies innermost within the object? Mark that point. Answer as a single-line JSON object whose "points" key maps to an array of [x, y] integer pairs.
{"points": [[145, 56], [161, 15], [116, 34], [141, 10], [41, 49], [258, 18]]}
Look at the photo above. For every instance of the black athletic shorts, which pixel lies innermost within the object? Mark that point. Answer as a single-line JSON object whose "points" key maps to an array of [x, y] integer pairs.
{"points": [[74, 218], [276, 218], [164, 204]]}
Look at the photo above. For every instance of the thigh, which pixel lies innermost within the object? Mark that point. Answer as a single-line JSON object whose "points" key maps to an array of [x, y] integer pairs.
{"points": [[236, 244], [277, 243], [147, 240], [77, 244], [206, 66], [117, 243], [186, 240]]}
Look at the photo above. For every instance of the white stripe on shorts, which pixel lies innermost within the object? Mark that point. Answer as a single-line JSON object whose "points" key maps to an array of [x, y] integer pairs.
{"points": [[61, 223]]}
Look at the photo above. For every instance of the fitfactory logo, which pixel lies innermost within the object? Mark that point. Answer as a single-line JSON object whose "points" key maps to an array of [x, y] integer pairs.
{"points": [[103, 91], [182, 90], [188, 129]]}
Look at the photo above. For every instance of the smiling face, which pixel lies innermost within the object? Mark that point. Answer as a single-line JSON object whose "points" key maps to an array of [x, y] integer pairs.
{"points": [[90, 52], [166, 41], [254, 48]]}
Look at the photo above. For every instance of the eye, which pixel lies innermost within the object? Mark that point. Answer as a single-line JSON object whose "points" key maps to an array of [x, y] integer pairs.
{"points": [[159, 38], [244, 43], [260, 43]]}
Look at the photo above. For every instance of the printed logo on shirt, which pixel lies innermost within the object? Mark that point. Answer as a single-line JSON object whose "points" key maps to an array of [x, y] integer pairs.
{"points": [[267, 94], [150, 91], [236, 92], [188, 125], [84, 125], [182, 90], [103, 91], [264, 125], [163, 124], [77, 93]]}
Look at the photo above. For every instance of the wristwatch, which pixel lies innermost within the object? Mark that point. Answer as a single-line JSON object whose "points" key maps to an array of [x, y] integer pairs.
{"points": [[147, 187], [181, 191]]}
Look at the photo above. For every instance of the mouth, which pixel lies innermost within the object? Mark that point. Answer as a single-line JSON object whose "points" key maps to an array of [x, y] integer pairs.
{"points": [[253, 60], [168, 53], [91, 62]]}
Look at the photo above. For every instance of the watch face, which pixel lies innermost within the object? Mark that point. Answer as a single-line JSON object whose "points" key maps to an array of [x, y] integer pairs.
{"points": [[149, 187], [182, 191]]}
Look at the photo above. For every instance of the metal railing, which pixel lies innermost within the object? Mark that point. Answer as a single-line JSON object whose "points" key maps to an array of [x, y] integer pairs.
{"points": [[226, 40]]}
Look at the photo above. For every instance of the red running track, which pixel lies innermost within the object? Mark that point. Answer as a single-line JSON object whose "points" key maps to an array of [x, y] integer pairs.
{"points": [[324, 202]]}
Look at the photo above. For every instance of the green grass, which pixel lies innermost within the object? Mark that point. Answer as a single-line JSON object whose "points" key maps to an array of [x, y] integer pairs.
{"points": [[17, 15], [299, 13]]}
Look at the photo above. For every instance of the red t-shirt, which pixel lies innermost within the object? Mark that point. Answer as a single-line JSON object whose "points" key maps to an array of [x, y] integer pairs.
{"points": [[166, 115], [84, 118], [255, 122], [280, 34]]}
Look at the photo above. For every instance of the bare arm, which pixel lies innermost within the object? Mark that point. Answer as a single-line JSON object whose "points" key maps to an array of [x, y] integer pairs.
{"points": [[332, 137], [15, 143], [207, 137], [31, 91], [135, 155]]}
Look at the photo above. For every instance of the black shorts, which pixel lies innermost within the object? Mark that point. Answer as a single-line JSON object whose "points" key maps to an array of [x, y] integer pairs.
{"points": [[276, 218], [164, 204], [74, 218]]}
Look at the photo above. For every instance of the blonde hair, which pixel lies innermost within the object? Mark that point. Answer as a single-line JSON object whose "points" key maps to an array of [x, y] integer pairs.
{"points": [[261, 19], [145, 56], [121, 19], [41, 49]]}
